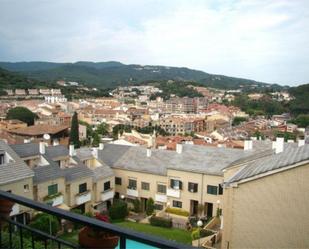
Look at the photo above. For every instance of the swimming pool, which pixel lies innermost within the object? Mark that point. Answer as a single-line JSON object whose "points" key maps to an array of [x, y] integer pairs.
{"points": [[131, 244]]}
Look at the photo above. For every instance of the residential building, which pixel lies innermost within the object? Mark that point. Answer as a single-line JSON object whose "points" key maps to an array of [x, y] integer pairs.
{"points": [[265, 200], [12, 124], [57, 134], [15, 177], [189, 176]]}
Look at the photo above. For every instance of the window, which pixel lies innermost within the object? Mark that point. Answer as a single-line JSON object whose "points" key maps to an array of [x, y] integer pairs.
{"points": [[145, 186], [118, 181], [176, 184], [53, 189], [2, 159], [192, 187], [82, 188], [26, 188], [212, 190], [107, 185], [177, 204], [132, 184], [161, 188], [220, 189]]}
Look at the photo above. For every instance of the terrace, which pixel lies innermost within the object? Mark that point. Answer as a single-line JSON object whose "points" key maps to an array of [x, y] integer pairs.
{"points": [[17, 231]]}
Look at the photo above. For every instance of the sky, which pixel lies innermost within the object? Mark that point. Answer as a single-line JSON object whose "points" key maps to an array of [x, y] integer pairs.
{"points": [[264, 40]]}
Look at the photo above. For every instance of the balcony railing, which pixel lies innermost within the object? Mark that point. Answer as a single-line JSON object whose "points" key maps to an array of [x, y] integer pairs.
{"points": [[131, 191], [107, 194], [83, 197], [123, 233]]}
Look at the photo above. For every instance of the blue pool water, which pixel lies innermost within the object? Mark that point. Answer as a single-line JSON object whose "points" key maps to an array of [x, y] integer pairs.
{"points": [[131, 244]]}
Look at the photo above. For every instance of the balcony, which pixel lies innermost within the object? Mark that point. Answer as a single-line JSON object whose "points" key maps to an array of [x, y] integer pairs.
{"points": [[82, 198], [107, 195], [54, 200], [160, 198], [17, 230], [132, 192], [173, 192]]}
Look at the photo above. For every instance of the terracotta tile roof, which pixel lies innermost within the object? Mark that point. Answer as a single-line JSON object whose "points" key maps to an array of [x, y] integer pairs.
{"points": [[40, 129]]}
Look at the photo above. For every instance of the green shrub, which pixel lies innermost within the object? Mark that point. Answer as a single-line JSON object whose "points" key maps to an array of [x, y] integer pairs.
{"points": [[5, 243], [137, 206], [45, 223], [195, 234], [150, 206], [160, 221], [119, 210], [177, 211], [205, 233]]}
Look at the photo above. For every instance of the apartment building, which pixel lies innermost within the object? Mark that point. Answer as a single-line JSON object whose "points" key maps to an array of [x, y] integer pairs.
{"points": [[68, 179], [184, 178], [266, 200], [176, 125], [58, 133], [15, 177], [103, 189]]}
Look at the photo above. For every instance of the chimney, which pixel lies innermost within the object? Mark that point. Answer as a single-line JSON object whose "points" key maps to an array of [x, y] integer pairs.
{"points": [[179, 148], [95, 153], [279, 145], [42, 148], [301, 142], [248, 145], [273, 145], [148, 152], [72, 150], [101, 146]]}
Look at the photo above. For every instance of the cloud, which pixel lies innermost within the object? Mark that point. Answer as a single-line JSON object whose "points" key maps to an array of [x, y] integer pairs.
{"points": [[263, 40]]}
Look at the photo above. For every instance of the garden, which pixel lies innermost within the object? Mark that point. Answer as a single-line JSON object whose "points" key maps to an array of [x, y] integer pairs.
{"points": [[119, 214]]}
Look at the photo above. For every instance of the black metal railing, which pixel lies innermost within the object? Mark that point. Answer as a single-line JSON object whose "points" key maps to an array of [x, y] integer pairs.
{"points": [[123, 233]]}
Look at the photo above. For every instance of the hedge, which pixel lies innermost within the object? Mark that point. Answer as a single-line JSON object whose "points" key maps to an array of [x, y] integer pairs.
{"points": [[160, 221], [177, 211]]}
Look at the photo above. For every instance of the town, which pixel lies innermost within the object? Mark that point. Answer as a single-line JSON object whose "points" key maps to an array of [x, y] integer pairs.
{"points": [[154, 124], [198, 148]]}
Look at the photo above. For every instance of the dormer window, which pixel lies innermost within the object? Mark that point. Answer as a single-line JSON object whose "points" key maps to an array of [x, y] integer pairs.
{"points": [[2, 158]]}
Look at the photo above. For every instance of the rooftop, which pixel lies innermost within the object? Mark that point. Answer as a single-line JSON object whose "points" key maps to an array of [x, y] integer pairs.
{"points": [[290, 156], [194, 158], [40, 129], [14, 170]]}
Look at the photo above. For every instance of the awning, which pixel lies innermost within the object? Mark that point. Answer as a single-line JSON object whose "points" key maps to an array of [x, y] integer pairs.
{"points": [[64, 207]]}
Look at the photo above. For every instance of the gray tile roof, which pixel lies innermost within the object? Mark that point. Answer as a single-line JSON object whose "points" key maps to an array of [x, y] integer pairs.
{"points": [[194, 158], [26, 151], [98, 172], [53, 171], [15, 170], [290, 156]]}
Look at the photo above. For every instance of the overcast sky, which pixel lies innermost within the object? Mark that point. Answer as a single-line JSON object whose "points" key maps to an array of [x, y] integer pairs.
{"points": [[261, 40]]}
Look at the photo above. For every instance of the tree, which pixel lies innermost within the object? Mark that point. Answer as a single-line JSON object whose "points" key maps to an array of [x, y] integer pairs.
{"points": [[96, 139], [149, 206], [102, 129], [238, 120], [301, 120], [45, 223], [23, 114], [74, 133]]}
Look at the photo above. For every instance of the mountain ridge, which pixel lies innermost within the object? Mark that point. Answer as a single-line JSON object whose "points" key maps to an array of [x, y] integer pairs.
{"points": [[113, 73]]}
